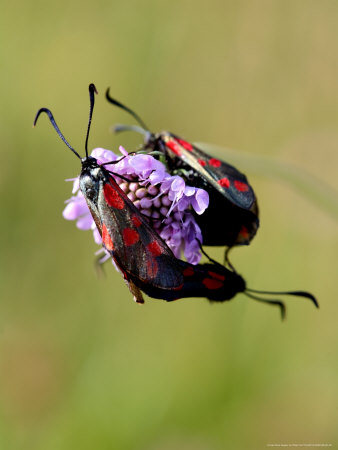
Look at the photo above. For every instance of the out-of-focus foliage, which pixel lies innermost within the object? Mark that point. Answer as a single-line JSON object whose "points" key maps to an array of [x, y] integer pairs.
{"points": [[81, 365]]}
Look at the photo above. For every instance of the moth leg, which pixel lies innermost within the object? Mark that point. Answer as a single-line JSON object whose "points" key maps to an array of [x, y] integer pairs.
{"points": [[206, 254], [99, 262], [226, 259]]}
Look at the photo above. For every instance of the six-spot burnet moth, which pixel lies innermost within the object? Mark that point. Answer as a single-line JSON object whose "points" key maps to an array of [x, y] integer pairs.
{"points": [[145, 261], [232, 216]]}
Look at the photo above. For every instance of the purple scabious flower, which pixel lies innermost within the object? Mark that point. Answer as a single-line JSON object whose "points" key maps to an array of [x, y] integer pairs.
{"points": [[164, 198]]}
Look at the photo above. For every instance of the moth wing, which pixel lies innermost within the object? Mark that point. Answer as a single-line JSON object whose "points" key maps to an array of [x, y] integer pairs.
{"points": [[225, 178], [137, 249]]}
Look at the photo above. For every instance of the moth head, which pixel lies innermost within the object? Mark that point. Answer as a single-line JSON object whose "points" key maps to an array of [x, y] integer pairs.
{"points": [[90, 177]]}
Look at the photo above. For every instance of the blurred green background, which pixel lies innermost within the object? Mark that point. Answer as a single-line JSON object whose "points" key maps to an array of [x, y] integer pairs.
{"points": [[81, 365]]}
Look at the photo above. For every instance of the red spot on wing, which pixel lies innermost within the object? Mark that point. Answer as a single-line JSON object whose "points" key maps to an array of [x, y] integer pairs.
{"points": [[202, 162], [211, 283], [244, 232], [136, 221], [152, 268], [106, 239], [186, 145], [216, 275], [174, 147], [188, 272], [215, 162], [112, 197], [155, 248], [130, 236], [224, 182], [240, 186], [178, 288]]}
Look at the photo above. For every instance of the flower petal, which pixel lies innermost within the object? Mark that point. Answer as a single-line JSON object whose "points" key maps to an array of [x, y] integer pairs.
{"points": [[85, 222], [75, 209], [200, 201]]}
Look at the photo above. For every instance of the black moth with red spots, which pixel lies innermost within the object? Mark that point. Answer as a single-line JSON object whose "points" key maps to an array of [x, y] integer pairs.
{"points": [[144, 259], [232, 217]]}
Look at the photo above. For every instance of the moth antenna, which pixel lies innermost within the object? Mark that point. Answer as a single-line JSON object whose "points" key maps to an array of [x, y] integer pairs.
{"points": [[56, 128], [128, 110], [92, 92], [268, 301], [294, 293], [227, 260], [119, 128]]}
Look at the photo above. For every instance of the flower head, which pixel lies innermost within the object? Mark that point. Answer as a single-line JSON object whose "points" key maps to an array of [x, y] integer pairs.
{"points": [[164, 198]]}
